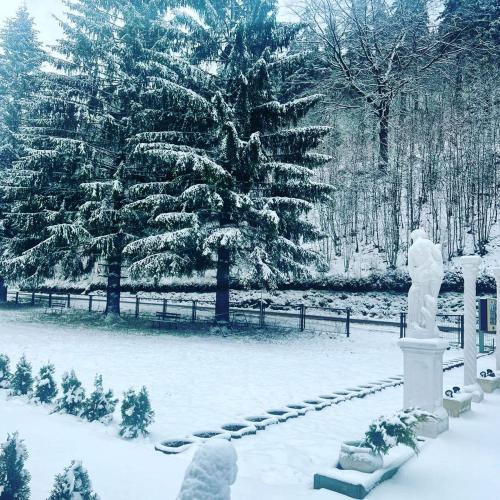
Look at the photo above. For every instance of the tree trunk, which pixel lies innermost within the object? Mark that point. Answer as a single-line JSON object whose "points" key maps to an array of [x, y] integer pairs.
{"points": [[3, 290], [113, 289], [222, 294], [383, 139]]}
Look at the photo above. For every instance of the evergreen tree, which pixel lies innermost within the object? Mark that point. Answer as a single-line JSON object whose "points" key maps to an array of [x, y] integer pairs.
{"points": [[22, 380], [45, 385], [240, 193], [137, 414], [100, 405], [14, 478], [5, 374], [72, 400], [21, 57], [73, 484]]}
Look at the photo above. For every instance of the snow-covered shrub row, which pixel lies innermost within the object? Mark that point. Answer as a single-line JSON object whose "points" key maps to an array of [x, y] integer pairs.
{"points": [[72, 484], [100, 405]]}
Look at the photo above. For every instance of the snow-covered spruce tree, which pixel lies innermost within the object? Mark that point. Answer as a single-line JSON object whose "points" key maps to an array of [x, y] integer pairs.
{"points": [[14, 478], [211, 473], [5, 374], [72, 400], [22, 380], [45, 385], [73, 484], [137, 414], [242, 197], [100, 405], [21, 57]]}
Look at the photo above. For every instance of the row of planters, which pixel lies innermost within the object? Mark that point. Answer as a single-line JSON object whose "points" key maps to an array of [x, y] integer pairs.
{"points": [[99, 406], [72, 483]]}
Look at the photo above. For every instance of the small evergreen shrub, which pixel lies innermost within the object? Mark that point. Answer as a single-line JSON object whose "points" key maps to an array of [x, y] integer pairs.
{"points": [[73, 395], [387, 432], [100, 405], [73, 484], [5, 374], [22, 380], [137, 414], [45, 385], [14, 478]]}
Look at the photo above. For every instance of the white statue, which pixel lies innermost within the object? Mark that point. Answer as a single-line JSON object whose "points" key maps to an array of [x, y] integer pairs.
{"points": [[425, 265]]}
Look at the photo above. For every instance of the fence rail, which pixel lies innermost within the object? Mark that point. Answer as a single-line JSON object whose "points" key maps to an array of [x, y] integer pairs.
{"points": [[301, 317]]}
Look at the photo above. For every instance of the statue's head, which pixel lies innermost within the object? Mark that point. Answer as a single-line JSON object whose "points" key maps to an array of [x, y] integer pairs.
{"points": [[417, 234]]}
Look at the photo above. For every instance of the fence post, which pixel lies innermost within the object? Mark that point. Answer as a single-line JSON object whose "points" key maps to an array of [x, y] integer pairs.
{"points": [[261, 316], [462, 331], [90, 303], [32, 298], [193, 316], [17, 297], [164, 308], [402, 326], [302, 321], [347, 323], [137, 301], [50, 299], [68, 304]]}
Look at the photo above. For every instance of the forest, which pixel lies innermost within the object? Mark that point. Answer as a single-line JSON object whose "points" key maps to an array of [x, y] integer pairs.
{"points": [[179, 138]]}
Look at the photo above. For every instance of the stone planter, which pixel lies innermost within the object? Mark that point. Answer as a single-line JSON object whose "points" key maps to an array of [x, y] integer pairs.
{"points": [[238, 430], [205, 435], [489, 384], [174, 446], [283, 414], [262, 421], [355, 456], [458, 404]]}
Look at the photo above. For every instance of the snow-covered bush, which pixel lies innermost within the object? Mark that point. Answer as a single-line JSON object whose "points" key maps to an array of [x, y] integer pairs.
{"points": [[73, 484], [45, 385], [389, 431], [73, 395], [211, 473], [100, 405], [137, 414], [22, 380], [14, 478], [5, 374]]}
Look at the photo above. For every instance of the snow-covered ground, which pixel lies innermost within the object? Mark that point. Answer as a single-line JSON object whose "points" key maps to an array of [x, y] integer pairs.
{"points": [[201, 382]]}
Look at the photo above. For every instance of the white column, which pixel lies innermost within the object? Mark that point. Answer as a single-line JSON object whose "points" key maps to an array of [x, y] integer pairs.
{"points": [[470, 267], [496, 273]]}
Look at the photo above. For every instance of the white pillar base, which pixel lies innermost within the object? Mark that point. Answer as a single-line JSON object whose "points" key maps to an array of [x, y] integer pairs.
{"points": [[476, 391], [423, 381]]}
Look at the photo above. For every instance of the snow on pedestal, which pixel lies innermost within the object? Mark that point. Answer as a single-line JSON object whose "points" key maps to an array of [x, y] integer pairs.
{"points": [[496, 273], [422, 348], [470, 267]]}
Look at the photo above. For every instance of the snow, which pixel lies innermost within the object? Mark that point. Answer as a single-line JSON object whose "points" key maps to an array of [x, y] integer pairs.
{"points": [[211, 473], [198, 382]]}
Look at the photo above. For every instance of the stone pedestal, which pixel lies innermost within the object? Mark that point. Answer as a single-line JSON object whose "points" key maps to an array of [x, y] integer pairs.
{"points": [[423, 386], [470, 266]]}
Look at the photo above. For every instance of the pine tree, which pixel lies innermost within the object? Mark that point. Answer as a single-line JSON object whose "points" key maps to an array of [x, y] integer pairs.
{"points": [[137, 414], [5, 374], [22, 380], [14, 478], [73, 484], [72, 400], [240, 195], [45, 385], [21, 57], [100, 405]]}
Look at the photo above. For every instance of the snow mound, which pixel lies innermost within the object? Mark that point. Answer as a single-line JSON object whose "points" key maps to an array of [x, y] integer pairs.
{"points": [[211, 473]]}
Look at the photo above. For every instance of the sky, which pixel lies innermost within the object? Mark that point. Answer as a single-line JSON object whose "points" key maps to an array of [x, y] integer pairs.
{"points": [[42, 11]]}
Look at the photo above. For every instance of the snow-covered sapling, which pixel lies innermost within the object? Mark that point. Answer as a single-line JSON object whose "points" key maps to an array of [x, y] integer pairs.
{"points": [[5, 374], [137, 414], [211, 473], [100, 405], [45, 385], [73, 396], [14, 478], [73, 484], [22, 380]]}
